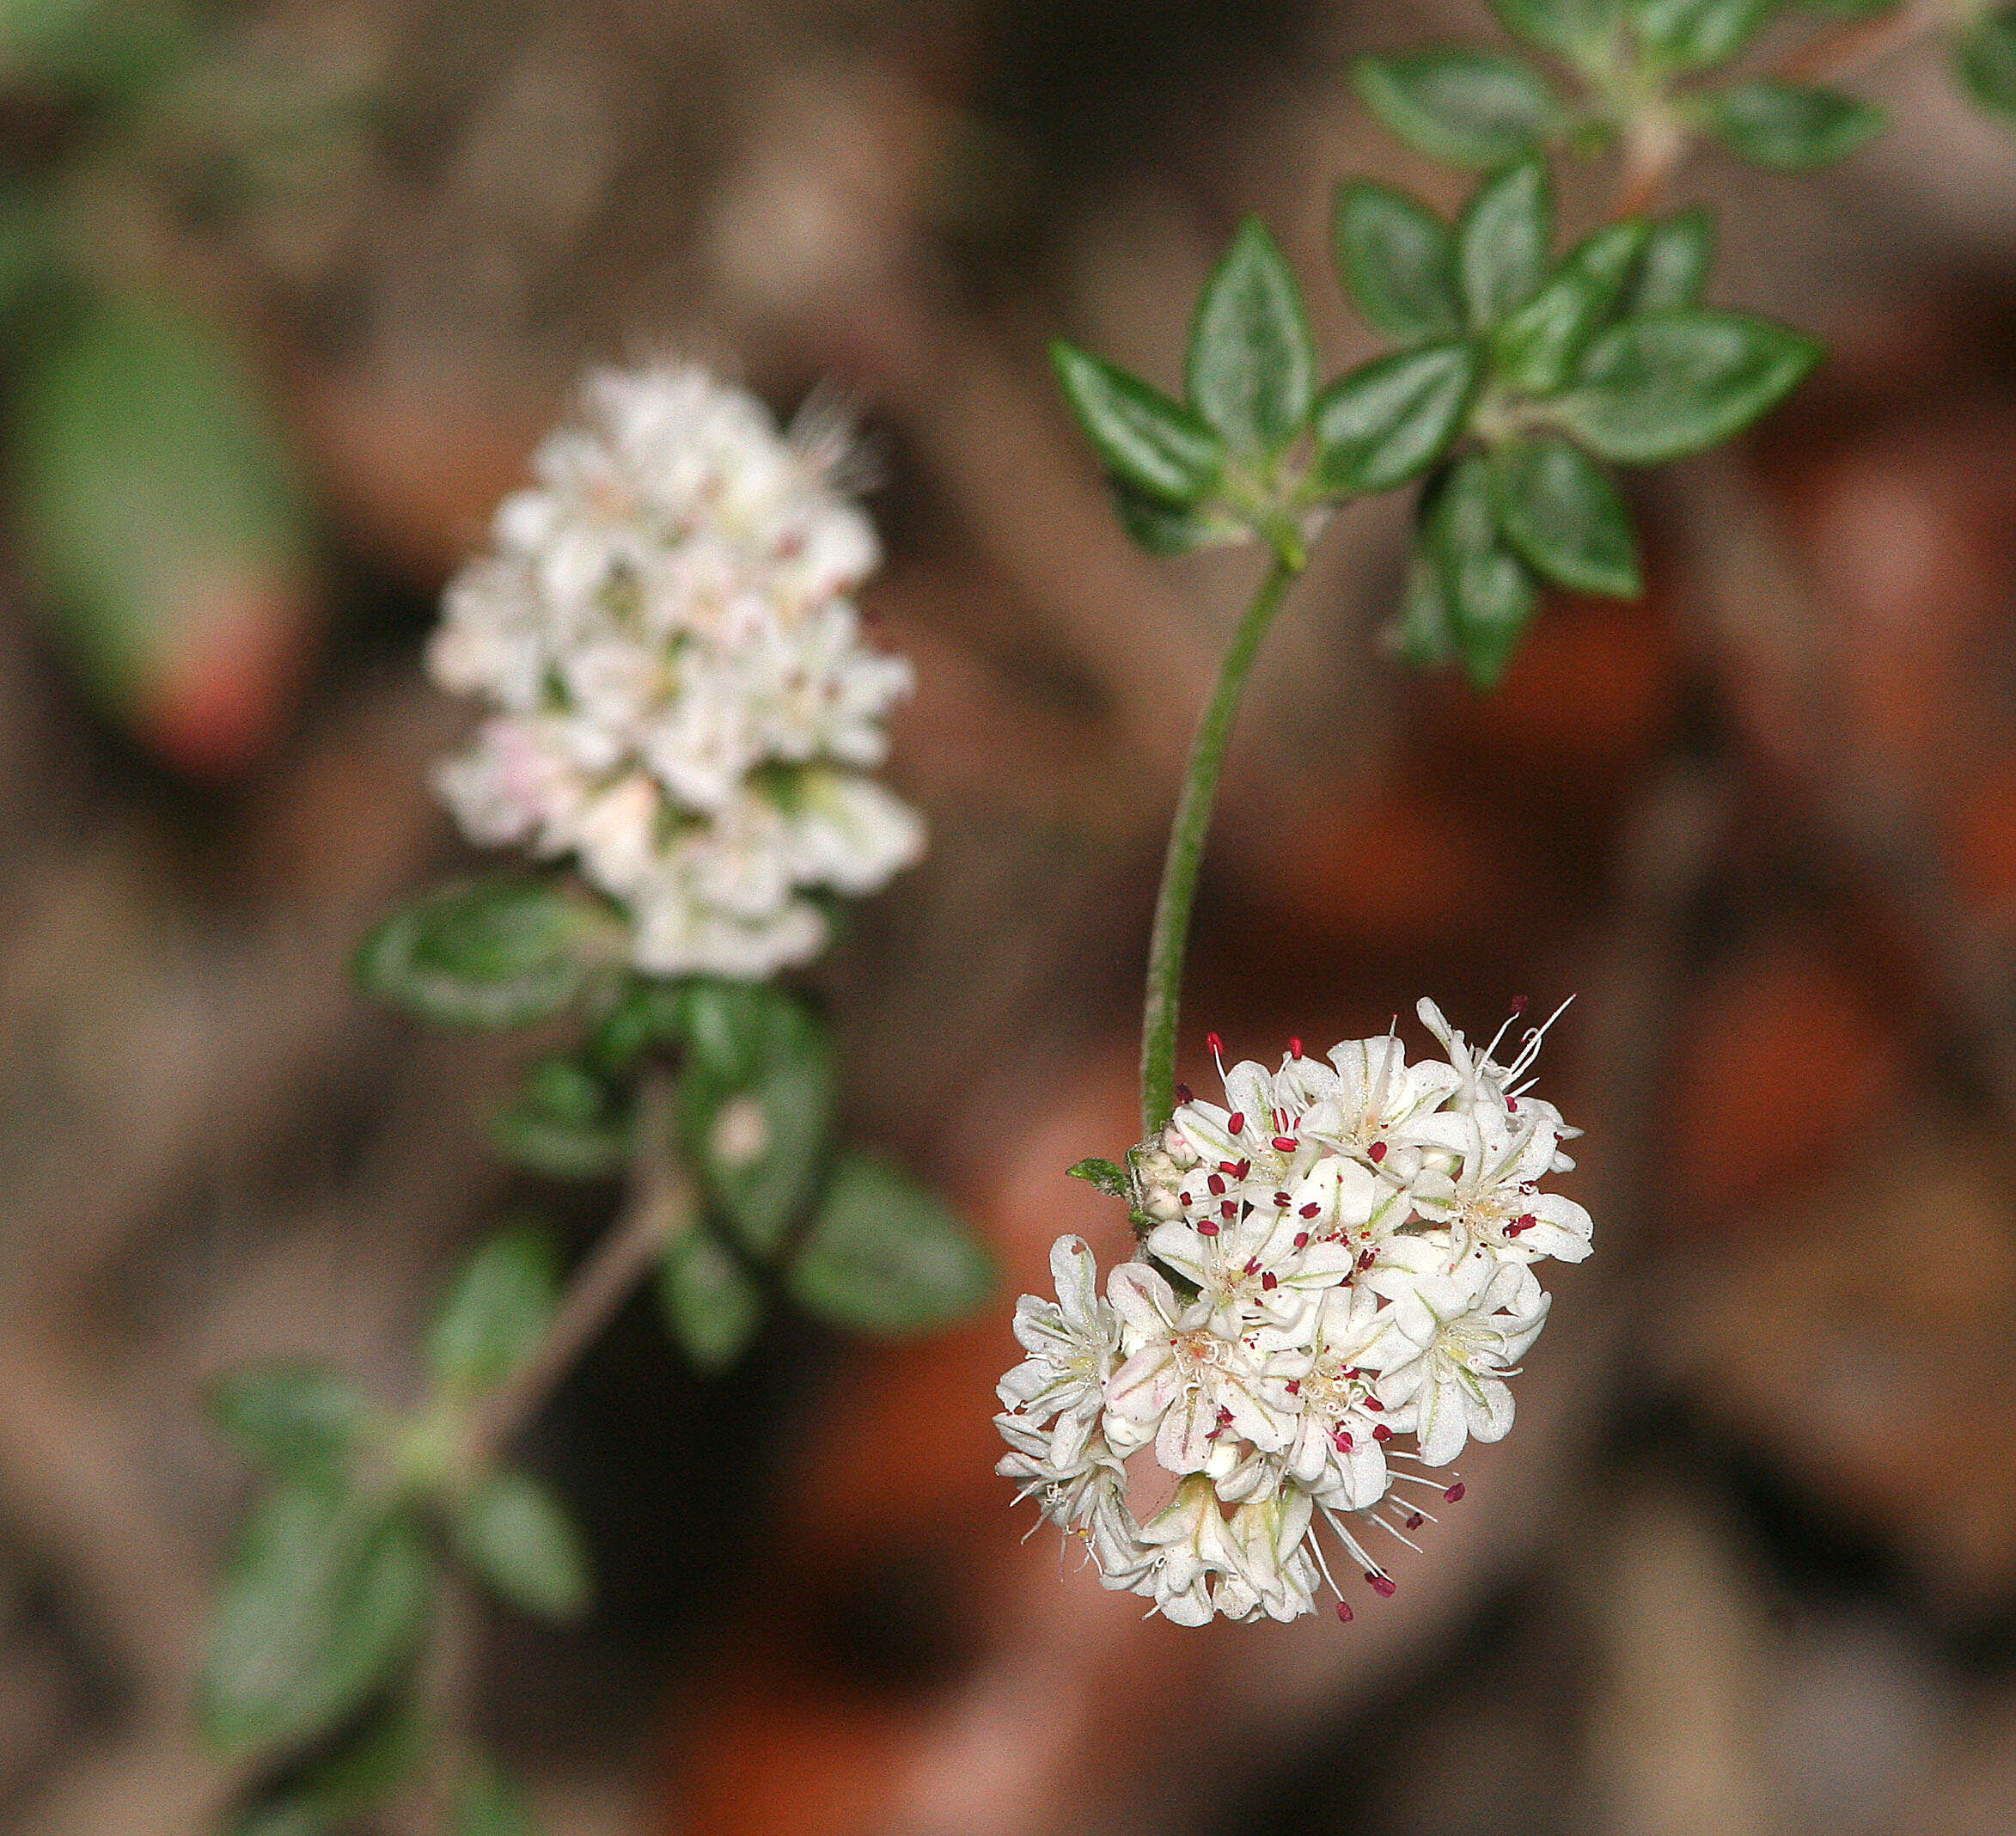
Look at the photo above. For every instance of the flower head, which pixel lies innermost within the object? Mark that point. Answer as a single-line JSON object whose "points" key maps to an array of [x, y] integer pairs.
{"points": [[682, 699], [1334, 1287]]}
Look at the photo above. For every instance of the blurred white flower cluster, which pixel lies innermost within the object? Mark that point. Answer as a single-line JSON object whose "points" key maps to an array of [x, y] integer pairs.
{"points": [[1352, 1246], [683, 699]]}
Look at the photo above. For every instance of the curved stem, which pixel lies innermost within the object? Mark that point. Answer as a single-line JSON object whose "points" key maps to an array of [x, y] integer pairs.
{"points": [[1186, 849]]}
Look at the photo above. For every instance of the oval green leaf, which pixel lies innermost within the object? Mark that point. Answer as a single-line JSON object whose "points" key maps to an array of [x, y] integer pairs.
{"points": [[516, 1535], [1156, 445], [1469, 108], [1564, 519], [1501, 242], [1389, 420], [884, 1256], [1252, 361], [1397, 261], [1791, 127]]}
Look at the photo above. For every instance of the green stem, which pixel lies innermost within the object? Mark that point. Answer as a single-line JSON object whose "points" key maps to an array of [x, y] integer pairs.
{"points": [[1186, 848]]}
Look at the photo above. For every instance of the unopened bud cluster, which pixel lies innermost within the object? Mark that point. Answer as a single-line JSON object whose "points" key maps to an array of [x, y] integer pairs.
{"points": [[683, 702], [1335, 1282]]}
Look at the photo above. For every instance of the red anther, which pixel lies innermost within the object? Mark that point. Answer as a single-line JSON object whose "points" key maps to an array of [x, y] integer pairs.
{"points": [[1527, 1221], [1376, 1153], [1518, 1004], [1454, 1494], [1368, 1259], [1244, 1168], [1372, 1402], [1216, 1045], [1281, 1201], [1413, 1521], [1294, 1048], [1184, 1094], [1382, 1433], [1302, 1240], [1224, 1415], [1345, 1614], [1268, 1282], [1228, 1168], [1183, 1198], [1285, 1143], [1206, 1227], [1310, 1210], [1237, 1122], [1252, 1266], [1228, 1208], [1511, 1106], [1217, 1185], [1342, 1437], [1294, 1386], [1383, 1586]]}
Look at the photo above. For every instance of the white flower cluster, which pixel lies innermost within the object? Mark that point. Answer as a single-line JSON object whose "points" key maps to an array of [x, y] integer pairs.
{"points": [[1342, 1258], [683, 699]]}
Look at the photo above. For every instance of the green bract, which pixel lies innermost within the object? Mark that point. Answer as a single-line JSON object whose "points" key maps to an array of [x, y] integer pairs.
{"points": [[885, 1256], [1469, 107], [1790, 126], [1108, 1178], [501, 952], [1251, 370], [1397, 261], [1158, 446], [1390, 420], [1676, 383], [1559, 512]]}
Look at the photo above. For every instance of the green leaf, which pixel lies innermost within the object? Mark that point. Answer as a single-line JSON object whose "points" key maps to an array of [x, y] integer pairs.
{"points": [[1109, 1178], [157, 499], [1562, 516], [1536, 346], [1674, 270], [323, 1600], [1501, 242], [1488, 590], [649, 1012], [101, 50], [1984, 55], [1425, 633], [884, 1256], [1156, 445], [1576, 30], [1252, 361], [1675, 383], [1397, 261], [373, 1757], [488, 1804], [292, 1417], [755, 1118], [518, 1536], [1163, 528], [501, 952], [293, 1813], [1697, 35], [712, 1305], [565, 1125], [1790, 127], [1469, 107], [495, 1312], [1389, 420]]}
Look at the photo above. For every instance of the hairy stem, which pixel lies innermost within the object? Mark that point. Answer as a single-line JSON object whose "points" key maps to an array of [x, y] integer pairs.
{"points": [[1186, 849], [659, 1210]]}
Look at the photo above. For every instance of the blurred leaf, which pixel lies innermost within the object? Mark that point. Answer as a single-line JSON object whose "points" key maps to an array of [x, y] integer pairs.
{"points": [[103, 50], [369, 1761], [518, 1536], [502, 951], [30, 253], [324, 1597], [1984, 55], [290, 1813], [1488, 593], [1674, 269], [1501, 242], [1397, 261], [1252, 360], [157, 500], [567, 1124], [1655, 387], [1389, 420], [1790, 127], [291, 1417], [1571, 29], [755, 1117], [712, 1305], [1559, 512], [1158, 446], [1109, 1178], [1469, 107], [885, 1256], [650, 1011], [1163, 528], [488, 1804], [495, 1312], [1697, 35], [1536, 346], [1425, 635]]}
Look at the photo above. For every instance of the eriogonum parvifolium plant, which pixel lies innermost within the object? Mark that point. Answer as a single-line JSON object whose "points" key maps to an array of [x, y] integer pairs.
{"points": [[682, 719], [1334, 1277]]}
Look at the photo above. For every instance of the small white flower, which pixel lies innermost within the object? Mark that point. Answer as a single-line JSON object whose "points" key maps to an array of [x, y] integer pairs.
{"points": [[684, 701], [1072, 1343]]}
